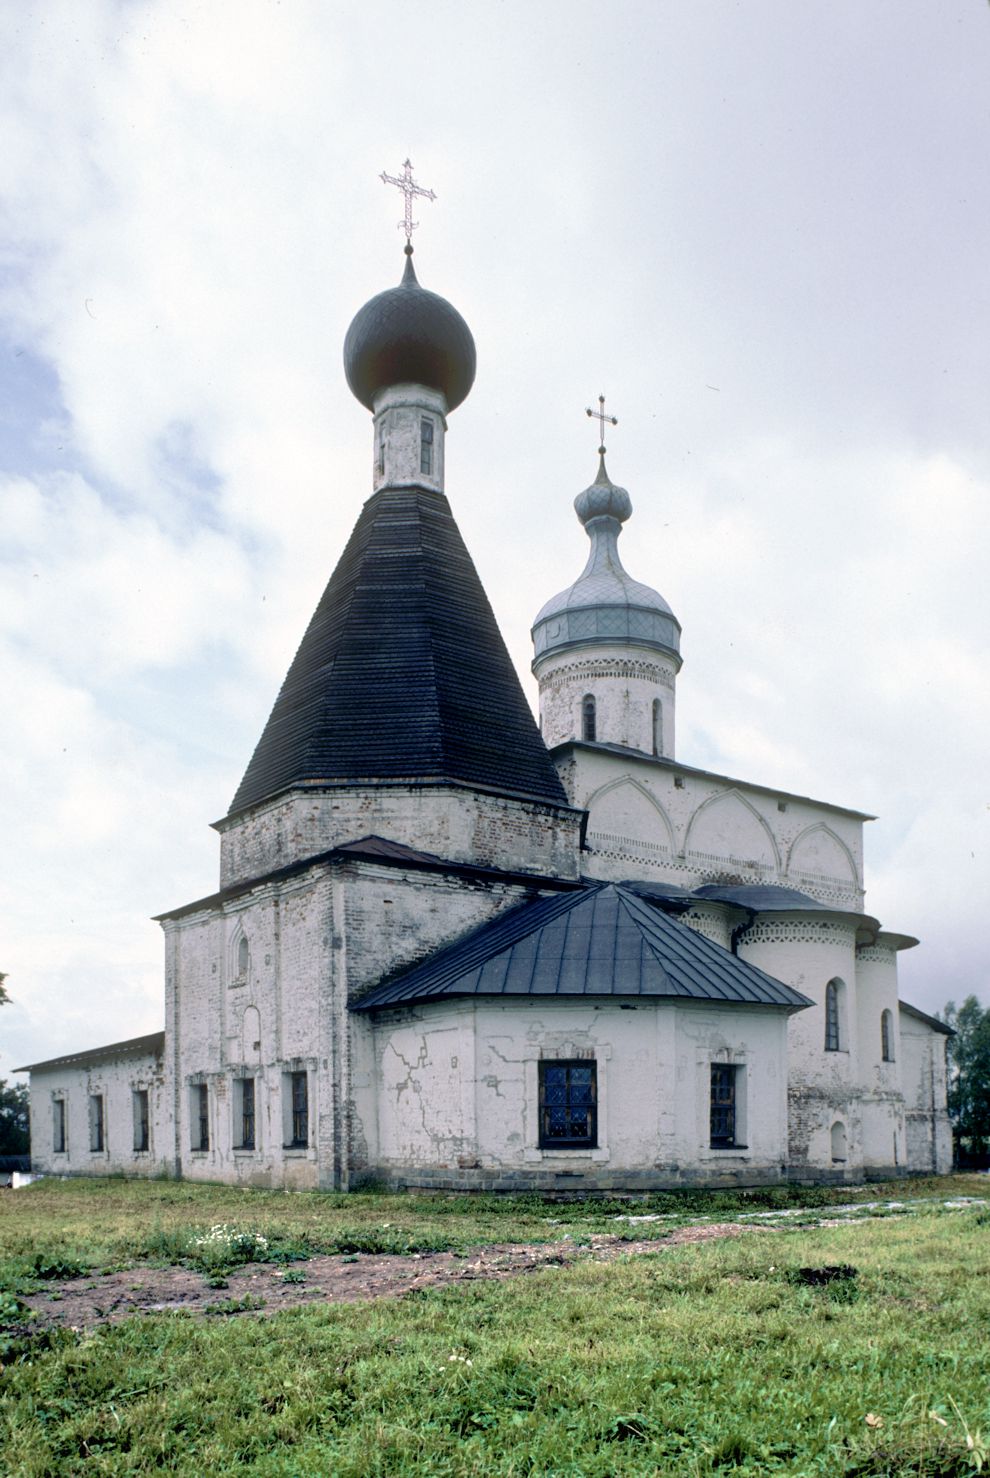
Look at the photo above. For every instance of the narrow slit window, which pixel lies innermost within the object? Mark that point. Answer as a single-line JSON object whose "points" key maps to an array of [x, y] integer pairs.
{"points": [[589, 727], [243, 956], [246, 1114], [200, 1114], [723, 1107], [96, 1135], [887, 1036], [832, 1017], [657, 727], [569, 1104], [142, 1127], [300, 1111], [426, 446], [58, 1126]]}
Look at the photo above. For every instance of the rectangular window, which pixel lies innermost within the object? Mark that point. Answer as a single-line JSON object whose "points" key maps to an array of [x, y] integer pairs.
{"points": [[142, 1130], [244, 1107], [200, 1116], [300, 1111], [426, 446], [569, 1104], [723, 1110], [58, 1126], [96, 1122], [381, 456]]}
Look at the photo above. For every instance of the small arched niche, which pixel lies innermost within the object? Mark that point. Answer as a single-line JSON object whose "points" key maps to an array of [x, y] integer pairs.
{"points": [[838, 1138]]}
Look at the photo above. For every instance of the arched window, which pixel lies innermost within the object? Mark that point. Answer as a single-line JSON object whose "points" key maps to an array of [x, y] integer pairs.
{"points": [[243, 956], [832, 1016], [886, 1036], [838, 1143], [588, 726], [657, 726]]}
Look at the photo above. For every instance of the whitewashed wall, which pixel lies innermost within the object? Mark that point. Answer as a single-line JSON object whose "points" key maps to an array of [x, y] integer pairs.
{"points": [[929, 1133], [116, 1079], [656, 819], [457, 1093]]}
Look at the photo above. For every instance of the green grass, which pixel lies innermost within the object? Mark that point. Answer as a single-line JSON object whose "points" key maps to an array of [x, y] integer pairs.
{"points": [[699, 1360], [54, 1227], [695, 1360]]}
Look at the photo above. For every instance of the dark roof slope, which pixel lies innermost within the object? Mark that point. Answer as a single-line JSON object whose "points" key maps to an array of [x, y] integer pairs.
{"points": [[153, 1043], [932, 1021], [402, 673], [603, 941]]}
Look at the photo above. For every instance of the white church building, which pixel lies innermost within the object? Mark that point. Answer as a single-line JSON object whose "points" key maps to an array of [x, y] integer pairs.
{"points": [[454, 949]]}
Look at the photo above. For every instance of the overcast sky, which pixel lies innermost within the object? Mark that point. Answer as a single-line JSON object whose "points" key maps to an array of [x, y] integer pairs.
{"points": [[762, 228]]}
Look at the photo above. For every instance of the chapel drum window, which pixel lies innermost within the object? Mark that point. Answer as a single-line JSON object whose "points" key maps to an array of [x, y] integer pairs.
{"points": [[426, 446], [832, 1017], [569, 1105], [588, 725]]}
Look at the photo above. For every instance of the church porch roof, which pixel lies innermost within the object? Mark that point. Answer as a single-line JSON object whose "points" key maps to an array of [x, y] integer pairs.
{"points": [[603, 941], [153, 1043]]}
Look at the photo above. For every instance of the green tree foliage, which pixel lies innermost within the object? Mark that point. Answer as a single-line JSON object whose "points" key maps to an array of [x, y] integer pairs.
{"points": [[15, 1132], [969, 1073], [15, 1137]]}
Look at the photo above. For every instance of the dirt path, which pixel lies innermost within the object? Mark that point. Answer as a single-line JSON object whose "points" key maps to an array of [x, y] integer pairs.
{"points": [[83, 1303]]}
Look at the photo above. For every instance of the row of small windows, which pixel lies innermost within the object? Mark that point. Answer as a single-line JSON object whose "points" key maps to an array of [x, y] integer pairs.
{"points": [[295, 1126], [97, 1123], [834, 1025], [589, 722]]}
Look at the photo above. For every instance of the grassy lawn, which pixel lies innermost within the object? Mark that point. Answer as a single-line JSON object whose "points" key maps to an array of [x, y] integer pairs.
{"points": [[714, 1358]]}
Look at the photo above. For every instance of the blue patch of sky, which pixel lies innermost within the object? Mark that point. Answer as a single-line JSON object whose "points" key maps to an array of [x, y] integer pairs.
{"points": [[35, 430]]}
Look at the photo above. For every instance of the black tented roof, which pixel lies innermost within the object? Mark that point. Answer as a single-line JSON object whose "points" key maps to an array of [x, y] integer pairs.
{"points": [[402, 674]]}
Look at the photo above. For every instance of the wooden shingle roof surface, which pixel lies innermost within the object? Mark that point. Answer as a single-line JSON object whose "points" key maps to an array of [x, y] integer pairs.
{"points": [[402, 673]]}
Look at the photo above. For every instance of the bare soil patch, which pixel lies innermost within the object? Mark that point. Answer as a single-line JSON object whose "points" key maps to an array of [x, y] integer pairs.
{"points": [[84, 1303]]}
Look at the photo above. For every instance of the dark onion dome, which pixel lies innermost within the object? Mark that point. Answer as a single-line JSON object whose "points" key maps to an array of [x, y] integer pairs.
{"points": [[408, 335]]}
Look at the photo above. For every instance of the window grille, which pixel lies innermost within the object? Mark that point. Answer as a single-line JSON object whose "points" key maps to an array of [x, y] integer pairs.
{"points": [[723, 1106], [569, 1104], [247, 1114], [201, 1116], [142, 1127], [588, 725], [96, 1122], [426, 446], [886, 1036], [58, 1126], [300, 1111], [831, 1017]]}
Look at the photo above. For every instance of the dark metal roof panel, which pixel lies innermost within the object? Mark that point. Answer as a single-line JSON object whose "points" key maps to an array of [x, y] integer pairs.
{"points": [[932, 1021], [602, 941]]}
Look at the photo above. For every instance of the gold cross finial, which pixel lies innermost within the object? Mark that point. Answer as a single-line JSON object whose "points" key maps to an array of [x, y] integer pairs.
{"points": [[409, 188], [603, 421]]}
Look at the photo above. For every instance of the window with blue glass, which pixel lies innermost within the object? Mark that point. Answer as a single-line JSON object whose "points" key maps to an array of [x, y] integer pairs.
{"points": [[569, 1104]]}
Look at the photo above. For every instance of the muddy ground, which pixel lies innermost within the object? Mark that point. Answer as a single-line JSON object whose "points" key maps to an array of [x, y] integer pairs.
{"points": [[83, 1303]]}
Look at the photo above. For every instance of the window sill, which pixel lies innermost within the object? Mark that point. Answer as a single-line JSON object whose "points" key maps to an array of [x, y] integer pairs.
{"points": [[296, 1151], [246, 1153], [728, 1149]]}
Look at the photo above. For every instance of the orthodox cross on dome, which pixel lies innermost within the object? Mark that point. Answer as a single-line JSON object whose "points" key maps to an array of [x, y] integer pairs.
{"points": [[409, 188], [603, 421]]}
